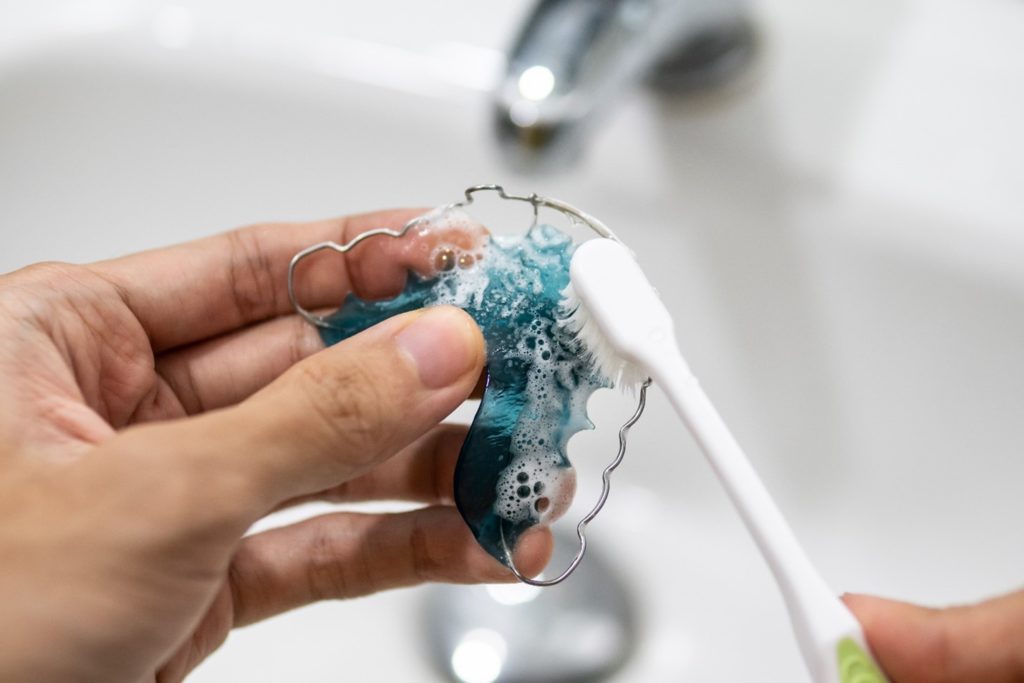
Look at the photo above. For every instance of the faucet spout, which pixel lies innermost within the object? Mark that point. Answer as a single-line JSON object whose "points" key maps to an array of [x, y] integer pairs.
{"points": [[574, 58]]}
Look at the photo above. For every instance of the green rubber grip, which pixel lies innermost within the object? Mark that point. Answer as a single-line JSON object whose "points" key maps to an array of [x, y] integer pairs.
{"points": [[855, 666]]}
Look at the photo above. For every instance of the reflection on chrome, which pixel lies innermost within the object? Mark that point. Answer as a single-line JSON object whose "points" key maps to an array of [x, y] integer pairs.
{"points": [[479, 657], [536, 83], [513, 593]]}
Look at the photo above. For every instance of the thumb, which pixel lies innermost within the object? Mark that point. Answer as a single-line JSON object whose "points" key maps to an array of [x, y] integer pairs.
{"points": [[327, 419], [982, 643]]}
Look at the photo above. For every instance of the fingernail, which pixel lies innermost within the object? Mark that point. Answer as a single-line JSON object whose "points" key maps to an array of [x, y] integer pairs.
{"points": [[444, 344]]}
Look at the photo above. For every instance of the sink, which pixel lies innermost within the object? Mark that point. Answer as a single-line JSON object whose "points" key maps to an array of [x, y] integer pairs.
{"points": [[840, 241]]}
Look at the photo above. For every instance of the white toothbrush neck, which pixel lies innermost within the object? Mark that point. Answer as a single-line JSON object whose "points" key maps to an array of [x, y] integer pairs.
{"points": [[818, 617]]}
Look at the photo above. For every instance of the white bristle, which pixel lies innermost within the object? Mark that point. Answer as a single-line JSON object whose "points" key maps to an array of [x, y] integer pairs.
{"points": [[596, 347]]}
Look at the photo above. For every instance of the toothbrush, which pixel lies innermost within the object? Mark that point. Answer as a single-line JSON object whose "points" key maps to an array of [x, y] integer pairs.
{"points": [[629, 333]]}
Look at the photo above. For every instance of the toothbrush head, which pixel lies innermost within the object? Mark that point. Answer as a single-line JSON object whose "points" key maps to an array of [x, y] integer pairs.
{"points": [[616, 313], [601, 352]]}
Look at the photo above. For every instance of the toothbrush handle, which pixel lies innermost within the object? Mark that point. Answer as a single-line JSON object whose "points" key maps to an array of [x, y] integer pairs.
{"points": [[830, 638]]}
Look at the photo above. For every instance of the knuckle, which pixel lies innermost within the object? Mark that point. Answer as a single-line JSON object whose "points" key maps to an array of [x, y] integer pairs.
{"points": [[43, 282], [426, 566], [181, 377], [326, 579], [253, 285], [48, 272], [249, 585], [327, 576], [937, 645], [303, 340]]}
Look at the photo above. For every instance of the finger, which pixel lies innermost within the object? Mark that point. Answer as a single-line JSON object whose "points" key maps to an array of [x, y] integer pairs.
{"points": [[328, 419], [423, 472], [346, 555], [222, 371], [981, 643], [225, 370], [192, 291]]}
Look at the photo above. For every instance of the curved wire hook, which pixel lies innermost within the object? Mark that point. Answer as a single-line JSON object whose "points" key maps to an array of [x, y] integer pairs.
{"points": [[319, 320], [576, 216], [606, 487], [538, 201]]}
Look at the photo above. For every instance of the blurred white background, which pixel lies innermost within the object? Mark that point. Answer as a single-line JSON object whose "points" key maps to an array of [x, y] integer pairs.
{"points": [[841, 241]]}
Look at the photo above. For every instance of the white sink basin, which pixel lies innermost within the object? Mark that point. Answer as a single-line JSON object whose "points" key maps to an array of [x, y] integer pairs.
{"points": [[841, 243]]}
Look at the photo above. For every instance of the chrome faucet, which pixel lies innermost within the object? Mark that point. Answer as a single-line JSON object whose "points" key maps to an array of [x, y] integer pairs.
{"points": [[574, 58]]}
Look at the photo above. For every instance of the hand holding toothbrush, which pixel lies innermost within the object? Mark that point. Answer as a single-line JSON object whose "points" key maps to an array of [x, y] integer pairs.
{"points": [[982, 643]]}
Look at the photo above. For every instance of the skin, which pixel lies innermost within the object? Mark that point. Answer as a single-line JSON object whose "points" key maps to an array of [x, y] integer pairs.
{"points": [[153, 407], [982, 643]]}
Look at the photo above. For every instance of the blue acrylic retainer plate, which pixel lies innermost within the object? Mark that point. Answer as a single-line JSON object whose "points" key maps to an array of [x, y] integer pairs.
{"points": [[513, 472]]}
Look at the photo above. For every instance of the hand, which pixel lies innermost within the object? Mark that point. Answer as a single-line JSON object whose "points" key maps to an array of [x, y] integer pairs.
{"points": [[981, 643], [153, 407]]}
